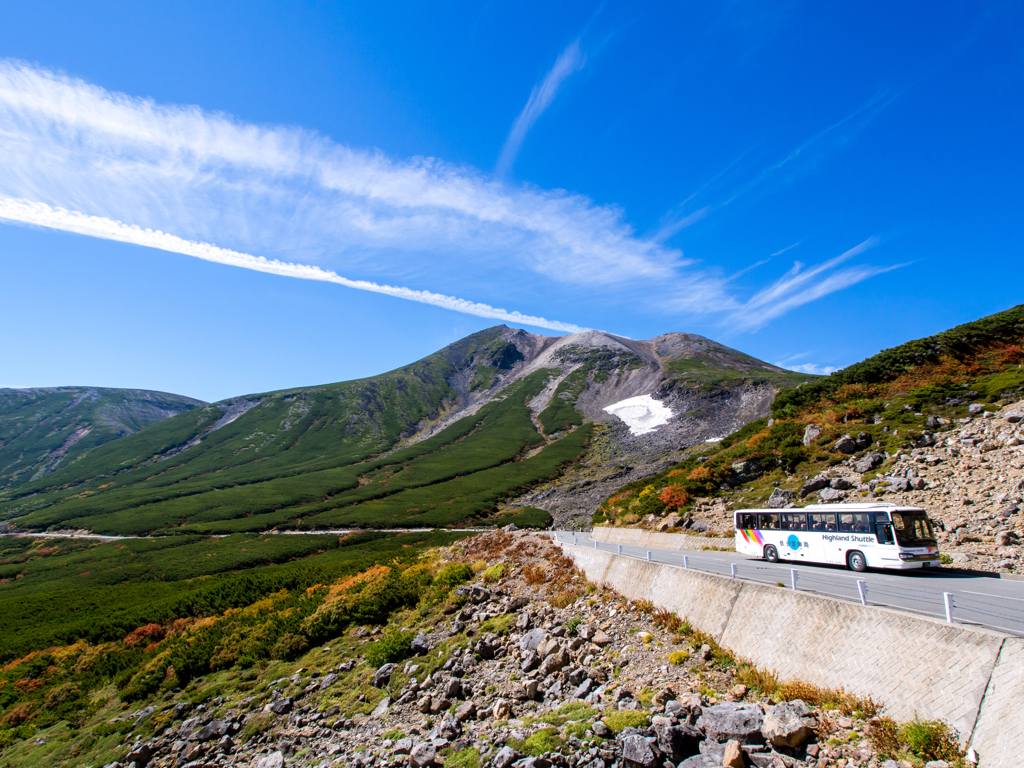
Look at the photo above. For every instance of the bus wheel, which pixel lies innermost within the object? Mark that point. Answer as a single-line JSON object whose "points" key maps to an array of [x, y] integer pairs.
{"points": [[855, 562], [771, 554]]}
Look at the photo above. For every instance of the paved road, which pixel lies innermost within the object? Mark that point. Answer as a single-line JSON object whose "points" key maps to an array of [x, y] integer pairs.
{"points": [[977, 599]]}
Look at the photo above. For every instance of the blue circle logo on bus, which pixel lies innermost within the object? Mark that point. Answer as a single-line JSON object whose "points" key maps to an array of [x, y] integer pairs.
{"points": [[793, 542]]}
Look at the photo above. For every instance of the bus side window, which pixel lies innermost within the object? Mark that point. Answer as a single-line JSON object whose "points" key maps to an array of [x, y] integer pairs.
{"points": [[824, 522], [747, 522], [769, 522], [883, 532], [794, 522], [854, 523]]}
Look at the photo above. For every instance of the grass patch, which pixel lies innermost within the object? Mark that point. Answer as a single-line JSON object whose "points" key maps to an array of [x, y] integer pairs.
{"points": [[925, 740], [627, 718]]}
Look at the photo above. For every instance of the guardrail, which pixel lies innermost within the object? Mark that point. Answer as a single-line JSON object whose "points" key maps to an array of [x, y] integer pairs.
{"points": [[959, 608]]}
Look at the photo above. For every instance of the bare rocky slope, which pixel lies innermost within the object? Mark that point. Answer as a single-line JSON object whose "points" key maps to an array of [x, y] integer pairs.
{"points": [[528, 667]]}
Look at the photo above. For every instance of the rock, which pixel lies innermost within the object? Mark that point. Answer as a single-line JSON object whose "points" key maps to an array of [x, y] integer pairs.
{"points": [[423, 754], [678, 742], [281, 706], [898, 485], [830, 495], [636, 752], [420, 646], [814, 484], [787, 724], [424, 704], [487, 647], [360, 632], [505, 757], [733, 757], [547, 646], [733, 721], [1014, 416], [502, 710], [214, 730], [975, 408], [601, 639], [556, 662], [779, 499], [453, 688], [705, 652], [670, 521], [662, 696], [868, 462], [1005, 538], [601, 729], [699, 526], [382, 708], [141, 754], [747, 470], [273, 760], [811, 433], [936, 764], [328, 681], [845, 444], [383, 675], [404, 746], [530, 661], [583, 689], [532, 639], [465, 711]]}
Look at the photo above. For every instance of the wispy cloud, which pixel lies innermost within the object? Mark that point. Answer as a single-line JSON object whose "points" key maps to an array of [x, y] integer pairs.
{"points": [[813, 368], [569, 61], [42, 215], [283, 200], [800, 286]]}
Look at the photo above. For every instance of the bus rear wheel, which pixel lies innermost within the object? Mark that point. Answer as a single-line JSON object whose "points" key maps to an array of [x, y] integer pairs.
{"points": [[855, 562], [771, 554]]}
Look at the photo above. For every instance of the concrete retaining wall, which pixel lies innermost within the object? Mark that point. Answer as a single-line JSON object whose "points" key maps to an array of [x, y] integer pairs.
{"points": [[971, 677], [639, 538]]}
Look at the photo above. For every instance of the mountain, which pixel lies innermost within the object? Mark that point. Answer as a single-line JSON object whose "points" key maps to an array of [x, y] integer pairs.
{"points": [[865, 432], [48, 428], [448, 440]]}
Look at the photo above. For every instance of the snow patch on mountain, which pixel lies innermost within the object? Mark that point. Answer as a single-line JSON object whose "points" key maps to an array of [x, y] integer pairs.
{"points": [[641, 414]]}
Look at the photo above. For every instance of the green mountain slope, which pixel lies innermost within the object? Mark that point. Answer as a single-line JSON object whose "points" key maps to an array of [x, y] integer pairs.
{"points": [[45, 429]]}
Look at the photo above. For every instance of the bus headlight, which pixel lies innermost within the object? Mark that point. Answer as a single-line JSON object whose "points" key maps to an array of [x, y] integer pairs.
{"points": [[905, 556]]}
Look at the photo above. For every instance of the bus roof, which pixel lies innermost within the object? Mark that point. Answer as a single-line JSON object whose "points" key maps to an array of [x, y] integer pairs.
{"points": [[867, 506]]}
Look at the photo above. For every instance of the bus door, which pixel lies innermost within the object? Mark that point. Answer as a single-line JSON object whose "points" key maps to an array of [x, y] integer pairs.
{"points": [[824, 547], [795, 544], [768, 523], [855, 532]]}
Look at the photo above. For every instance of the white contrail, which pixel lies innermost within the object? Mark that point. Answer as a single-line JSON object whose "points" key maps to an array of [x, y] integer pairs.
{"points": [[42, 215]]}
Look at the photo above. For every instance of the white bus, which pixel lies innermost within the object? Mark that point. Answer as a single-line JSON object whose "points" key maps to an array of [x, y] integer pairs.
{"points": [[859, 536]]}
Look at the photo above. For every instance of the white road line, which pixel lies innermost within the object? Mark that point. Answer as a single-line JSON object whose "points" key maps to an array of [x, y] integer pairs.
{"points": [[997, 597]]}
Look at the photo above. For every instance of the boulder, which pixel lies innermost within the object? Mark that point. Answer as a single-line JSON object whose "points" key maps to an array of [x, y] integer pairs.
{"points": [[811, 433], [840, 484], [670, 521], [779, 499], [383, 675], [730, 720], [532, 639], [141, 754], [404, 746], [382, 708], [662, 696], [868, 462], [788, 724], [678, 742], [636, 752], [502, 710], [898, 484], [273, 760], [601, 639], [530, 661], [487, 647], [547, 646], [747, 470], [1014, 416], [845, 444], [466, 711], [213, 730], [814, 484], [975, 408], [281, 706], [601, 729], [328, 681], [423, 754], [420, 645], [505, 757], [733, 756], [831, 495]]}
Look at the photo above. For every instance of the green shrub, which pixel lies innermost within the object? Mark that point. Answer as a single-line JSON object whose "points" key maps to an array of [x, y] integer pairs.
{"points": [[493, 574], [627, 718], [454, 574], [572, 625], [391, 648]]}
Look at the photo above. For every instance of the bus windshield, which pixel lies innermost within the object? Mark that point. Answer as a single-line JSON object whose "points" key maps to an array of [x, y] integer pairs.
{"points": [[912, 528]]}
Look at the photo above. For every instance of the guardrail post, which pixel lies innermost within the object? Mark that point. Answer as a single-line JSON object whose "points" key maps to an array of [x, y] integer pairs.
{"points": [[947, 598], [595, 543], [686, 562], [648, 555], [732, 567], [575, 539], [792, 577], [620, 549], [862, 591]]}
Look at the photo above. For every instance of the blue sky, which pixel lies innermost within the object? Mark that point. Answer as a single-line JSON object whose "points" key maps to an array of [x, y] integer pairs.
{"points": [[223, 198]]}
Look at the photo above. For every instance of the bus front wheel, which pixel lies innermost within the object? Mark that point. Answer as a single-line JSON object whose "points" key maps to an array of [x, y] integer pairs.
{"points": [[856, 562], [771, 554]]}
